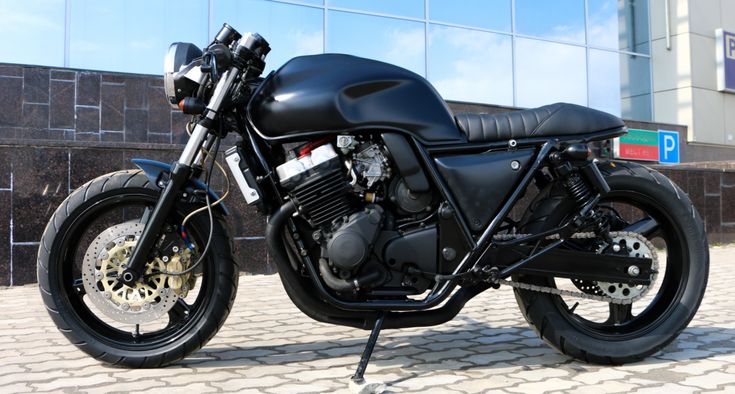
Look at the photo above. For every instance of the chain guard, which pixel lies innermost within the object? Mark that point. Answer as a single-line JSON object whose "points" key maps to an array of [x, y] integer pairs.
{"points": [[589, 289]]}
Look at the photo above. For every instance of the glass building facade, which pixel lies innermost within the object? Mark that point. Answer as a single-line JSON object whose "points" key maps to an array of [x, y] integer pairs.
{"points": [[522, 53]]}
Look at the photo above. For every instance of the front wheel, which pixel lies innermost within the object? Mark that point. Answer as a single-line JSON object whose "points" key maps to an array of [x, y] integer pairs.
{"points": [[161, 319], [662, 221]]}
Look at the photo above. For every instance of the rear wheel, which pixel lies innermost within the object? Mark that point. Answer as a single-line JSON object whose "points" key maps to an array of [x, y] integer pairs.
{"points": [[163, 318], [662, 217]]}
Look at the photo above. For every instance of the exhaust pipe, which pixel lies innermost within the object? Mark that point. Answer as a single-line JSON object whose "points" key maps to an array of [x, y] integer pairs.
{"points": [[303, 296]]}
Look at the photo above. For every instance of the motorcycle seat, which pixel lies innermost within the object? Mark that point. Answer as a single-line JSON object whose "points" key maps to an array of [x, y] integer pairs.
{"points": [[560, 119]]}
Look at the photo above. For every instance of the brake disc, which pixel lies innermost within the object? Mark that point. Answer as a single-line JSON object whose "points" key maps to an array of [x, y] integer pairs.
{"points": [[106, 259]]}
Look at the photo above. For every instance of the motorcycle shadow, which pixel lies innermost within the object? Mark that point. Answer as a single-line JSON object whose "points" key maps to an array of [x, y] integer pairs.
{"points": [[464, 344]]}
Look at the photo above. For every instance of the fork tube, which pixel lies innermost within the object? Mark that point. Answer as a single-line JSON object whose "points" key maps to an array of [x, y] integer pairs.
{"points": [[180, 173]]}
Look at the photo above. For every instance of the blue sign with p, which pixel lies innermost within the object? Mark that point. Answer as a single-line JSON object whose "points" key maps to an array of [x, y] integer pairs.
{"points": [[668, 147]]}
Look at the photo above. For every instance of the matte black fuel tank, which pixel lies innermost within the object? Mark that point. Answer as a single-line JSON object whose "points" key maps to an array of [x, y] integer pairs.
{"points": [[332, 92]]}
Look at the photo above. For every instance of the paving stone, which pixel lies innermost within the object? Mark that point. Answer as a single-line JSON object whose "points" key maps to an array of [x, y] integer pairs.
{"points": [[268, 346]]}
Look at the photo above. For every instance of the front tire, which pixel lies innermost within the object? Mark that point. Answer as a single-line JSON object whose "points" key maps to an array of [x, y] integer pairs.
{"points": [[111, 200], [681, 285]]}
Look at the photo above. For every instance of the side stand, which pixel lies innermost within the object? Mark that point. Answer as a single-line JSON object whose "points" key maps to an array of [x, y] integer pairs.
{"points": [[358, 376]]}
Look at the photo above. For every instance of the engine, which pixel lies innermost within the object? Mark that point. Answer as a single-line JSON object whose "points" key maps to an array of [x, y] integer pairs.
{"points": [[366, 228]]}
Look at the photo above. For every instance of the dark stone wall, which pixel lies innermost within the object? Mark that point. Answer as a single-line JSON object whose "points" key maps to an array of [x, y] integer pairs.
{"points": [[60, 128]]}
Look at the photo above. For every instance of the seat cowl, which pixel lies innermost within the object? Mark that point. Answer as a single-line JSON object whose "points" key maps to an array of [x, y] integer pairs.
{"points": [[559, 119]]}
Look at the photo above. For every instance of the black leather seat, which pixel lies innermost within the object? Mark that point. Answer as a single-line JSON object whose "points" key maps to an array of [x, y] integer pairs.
{"points": [[558, 119]]}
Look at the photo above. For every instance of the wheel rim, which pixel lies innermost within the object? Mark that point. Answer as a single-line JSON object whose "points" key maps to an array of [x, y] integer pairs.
{"points": [[662, 300], [181, 318]]}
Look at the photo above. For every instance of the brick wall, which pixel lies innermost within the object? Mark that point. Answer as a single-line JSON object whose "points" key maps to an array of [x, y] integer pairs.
{"points": [[61, 127]]}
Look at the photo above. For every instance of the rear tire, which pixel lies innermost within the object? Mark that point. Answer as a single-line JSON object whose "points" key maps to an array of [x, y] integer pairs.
{"points": [[682, 284], [188, 327]]}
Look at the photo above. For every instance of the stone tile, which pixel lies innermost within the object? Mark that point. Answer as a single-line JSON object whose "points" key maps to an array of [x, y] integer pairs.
{"points": [[178, 127], [39, 186], [246, 220], [90, 163], [88, 120], [136, 92], [88, 89], [728, 204], [5, 164], [695, 188], [712, 182], [728, 178], [136, 125], [5, 238], [62, 104], [112, 136], [113, 78], [35, 85], [112, 107], [712, 216], [24, 264], [11, 101], [11, 71], [64, 75], [87, 137], [159, 138], [8, 132], [252, 257], [159, 111], [35, 115]]}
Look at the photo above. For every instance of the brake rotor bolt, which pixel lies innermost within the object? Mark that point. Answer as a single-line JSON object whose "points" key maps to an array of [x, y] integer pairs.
{"points": [[125, 306], [108, 295], [146, 306], [634, 270]]}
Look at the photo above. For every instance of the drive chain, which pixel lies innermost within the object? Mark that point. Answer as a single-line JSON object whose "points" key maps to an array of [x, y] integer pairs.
{"points": [[569, 293]]}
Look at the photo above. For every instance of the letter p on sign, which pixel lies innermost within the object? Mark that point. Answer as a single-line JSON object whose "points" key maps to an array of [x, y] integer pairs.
{"points": [[668, 147]]}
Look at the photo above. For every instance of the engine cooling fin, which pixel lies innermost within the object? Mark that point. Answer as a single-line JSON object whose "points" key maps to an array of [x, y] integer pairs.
{"points": [[324, 198]]}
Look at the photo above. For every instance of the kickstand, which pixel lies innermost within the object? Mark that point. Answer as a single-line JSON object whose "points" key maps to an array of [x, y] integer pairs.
{"points": [[358, 376]]}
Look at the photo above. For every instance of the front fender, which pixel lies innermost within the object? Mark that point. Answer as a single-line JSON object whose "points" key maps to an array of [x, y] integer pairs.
{"points": [[153, 170]]}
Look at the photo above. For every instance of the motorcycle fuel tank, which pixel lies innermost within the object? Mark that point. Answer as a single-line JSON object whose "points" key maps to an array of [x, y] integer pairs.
{"points": [[323, 93]]}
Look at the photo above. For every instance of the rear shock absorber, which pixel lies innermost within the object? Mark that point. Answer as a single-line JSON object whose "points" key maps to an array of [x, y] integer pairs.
{"points": [[578, 189]]}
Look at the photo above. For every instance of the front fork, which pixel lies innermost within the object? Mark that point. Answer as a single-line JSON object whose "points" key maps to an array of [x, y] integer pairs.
{"points": [[180, 173]]}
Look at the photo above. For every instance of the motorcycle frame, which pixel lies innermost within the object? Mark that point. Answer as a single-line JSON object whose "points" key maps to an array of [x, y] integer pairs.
{"points": [[478, 245]]}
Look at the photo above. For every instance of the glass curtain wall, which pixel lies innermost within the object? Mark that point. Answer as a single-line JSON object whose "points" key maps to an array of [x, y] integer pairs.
{"points": [[522, 53]]}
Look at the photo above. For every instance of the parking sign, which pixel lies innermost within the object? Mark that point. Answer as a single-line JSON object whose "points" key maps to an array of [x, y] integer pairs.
{"points": [[668, 147]]}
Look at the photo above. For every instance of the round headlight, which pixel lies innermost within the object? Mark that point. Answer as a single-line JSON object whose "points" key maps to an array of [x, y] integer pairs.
{"points": [[181, 73]]}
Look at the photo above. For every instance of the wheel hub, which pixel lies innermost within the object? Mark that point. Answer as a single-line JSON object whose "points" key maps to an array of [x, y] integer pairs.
{"points": [[632, 246], [150, 298]]}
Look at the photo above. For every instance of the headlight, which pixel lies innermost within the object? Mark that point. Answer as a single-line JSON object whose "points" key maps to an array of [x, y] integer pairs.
{"points": [[181, 73]]}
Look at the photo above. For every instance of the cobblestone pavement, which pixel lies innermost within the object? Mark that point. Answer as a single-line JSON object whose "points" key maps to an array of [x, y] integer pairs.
{"points": [[267, 345]]}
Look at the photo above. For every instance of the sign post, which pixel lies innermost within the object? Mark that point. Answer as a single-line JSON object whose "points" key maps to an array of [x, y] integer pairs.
{"points": [[725, 43]]}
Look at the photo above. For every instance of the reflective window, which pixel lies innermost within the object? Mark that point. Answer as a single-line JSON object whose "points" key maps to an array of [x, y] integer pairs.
{"points": [[558, 20], [132, 35], [470, 65], [394, 41], [410, 8], [33, 32], [549, 72], [618, 24], [291, 30], [487, 14], [604, 81], [635, 87]]}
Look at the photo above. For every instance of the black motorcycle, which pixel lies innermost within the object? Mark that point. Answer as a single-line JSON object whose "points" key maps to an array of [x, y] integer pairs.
{"points": [[385, 211]]}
